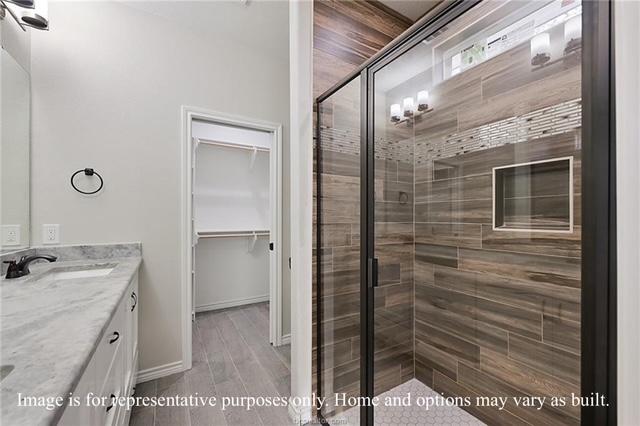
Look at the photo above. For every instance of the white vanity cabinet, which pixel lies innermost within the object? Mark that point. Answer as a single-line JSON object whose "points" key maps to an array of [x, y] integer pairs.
{"points": [[111, 371]]}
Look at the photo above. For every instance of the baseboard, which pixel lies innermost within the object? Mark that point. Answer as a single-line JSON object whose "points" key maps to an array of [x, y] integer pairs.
{"points": [[232, 303], [159, 371], [286, 339], [299, 415]]}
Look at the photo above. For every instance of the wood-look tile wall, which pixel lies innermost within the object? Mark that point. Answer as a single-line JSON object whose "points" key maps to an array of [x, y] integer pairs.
{"points": [[497, 312], [347, 33]]}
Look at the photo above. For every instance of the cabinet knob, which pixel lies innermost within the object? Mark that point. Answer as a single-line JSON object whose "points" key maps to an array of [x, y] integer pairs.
{"points": [[116, 336]]}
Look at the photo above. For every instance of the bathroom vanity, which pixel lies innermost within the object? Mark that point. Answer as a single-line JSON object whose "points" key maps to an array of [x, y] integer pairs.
{"points": [[70, 337]]}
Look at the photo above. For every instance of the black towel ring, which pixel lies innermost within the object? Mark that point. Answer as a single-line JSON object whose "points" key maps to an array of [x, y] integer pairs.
{"points": [[87, 172]]}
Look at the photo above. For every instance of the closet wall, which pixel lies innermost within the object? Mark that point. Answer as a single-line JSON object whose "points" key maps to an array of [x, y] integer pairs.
{"points": [[231, 195]]}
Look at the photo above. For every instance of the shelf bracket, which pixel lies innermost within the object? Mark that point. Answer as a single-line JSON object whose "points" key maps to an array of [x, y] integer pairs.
{"points": [[252, 242], [254, 154]]}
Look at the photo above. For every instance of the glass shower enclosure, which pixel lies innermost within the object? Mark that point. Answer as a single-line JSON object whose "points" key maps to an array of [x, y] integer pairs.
{"points": [[449, 224]]}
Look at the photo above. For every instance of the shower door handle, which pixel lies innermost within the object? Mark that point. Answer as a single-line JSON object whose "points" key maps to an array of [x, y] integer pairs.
{"points": [[373, 272]]}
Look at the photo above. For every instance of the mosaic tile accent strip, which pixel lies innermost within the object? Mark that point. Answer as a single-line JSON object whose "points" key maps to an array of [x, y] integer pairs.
{"points": [[410, 416], [561, 118]]}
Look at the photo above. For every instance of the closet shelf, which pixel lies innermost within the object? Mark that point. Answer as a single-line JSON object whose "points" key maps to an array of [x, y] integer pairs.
{"points": [[232, 145], [232, 233]]}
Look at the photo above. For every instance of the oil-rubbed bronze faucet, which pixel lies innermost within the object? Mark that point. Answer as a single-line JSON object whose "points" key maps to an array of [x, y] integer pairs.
{"points": [[21, 268]]}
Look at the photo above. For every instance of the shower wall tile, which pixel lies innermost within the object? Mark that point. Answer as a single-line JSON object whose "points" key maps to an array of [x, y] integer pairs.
{"points": [[540, 297], [465, 188], [550, 243], [485, 384], [439, 255], [451, 234], [436, 359], [505, 317], [562, 332], [557, 270], [530, 380], [558, 362], [461, 211], [446, 342]]}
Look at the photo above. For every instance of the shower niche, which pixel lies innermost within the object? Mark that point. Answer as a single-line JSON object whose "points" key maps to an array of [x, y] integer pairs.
{"points": [[535, 196], [449, 228]]}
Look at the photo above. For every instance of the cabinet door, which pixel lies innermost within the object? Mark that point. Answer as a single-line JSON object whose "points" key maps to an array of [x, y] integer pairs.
{"points": [[131, 359], [82, 414]]}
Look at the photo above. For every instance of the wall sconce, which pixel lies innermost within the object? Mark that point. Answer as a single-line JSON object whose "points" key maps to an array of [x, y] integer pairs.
{"points": [[423, 100], [396, 113], [28, 13], [407, 106], [572, 34], [38, 17], [540, 49]]}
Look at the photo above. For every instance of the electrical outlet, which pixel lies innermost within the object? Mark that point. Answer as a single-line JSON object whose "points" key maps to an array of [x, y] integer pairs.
{"points": [[10, 235], [50, 234]]}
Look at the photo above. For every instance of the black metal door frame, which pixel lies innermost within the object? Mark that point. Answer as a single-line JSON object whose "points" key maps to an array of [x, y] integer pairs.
{"points": [[599, 309]]}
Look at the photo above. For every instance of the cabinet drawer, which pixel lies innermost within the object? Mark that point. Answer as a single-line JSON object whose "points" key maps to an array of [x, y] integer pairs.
{"points": [[112, 339]]}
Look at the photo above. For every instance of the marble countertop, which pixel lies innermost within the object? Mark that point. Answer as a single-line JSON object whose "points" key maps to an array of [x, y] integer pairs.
{"points": [[50, 329]]}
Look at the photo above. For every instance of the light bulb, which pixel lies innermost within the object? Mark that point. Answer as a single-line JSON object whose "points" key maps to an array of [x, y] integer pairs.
{"points": [[540, 49], [407, 106], [572, 34], [423, 100], [395, 112]]}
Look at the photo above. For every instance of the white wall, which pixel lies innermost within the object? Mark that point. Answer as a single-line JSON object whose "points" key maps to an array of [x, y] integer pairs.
{"points": [[301, 71], [627, 27], [16, 42], [108, 82]]}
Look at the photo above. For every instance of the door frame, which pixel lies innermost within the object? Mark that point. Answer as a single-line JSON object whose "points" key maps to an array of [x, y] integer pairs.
{"points": [[599, 279], [189, 114]]}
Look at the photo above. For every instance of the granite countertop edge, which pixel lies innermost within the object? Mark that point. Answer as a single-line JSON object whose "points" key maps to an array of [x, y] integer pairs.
{"points": [[108, 291]]}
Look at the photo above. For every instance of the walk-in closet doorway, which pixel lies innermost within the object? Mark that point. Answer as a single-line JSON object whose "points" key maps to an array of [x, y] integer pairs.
{"points": [[231, 218]]}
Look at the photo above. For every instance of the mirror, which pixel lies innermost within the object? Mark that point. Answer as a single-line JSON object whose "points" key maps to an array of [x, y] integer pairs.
{"points": [[15, 109]]}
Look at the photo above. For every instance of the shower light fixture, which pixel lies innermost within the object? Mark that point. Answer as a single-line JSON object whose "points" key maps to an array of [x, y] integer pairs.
{"points": [[572, 34], [540, 49], [423, 100], [407, 107], [396, 113]]}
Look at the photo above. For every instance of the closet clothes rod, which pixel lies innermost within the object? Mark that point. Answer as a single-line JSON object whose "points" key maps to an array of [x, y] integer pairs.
{"points": [[232, 234], [232, 145]]}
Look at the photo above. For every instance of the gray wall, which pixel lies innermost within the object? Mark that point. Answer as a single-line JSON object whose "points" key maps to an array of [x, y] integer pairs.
{"points": [[108, 82]]}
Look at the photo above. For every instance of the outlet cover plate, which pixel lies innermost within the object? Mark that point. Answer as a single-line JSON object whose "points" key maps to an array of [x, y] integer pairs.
{"points": [[10, 235], [50, 233]]}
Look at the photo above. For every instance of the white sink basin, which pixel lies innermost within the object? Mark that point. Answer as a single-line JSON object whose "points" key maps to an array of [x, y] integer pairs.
{"points": [[87, 272]]}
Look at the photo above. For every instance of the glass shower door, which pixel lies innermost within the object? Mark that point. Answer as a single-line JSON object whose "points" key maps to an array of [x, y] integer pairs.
{"points": [[337, 268], [477, 222]]}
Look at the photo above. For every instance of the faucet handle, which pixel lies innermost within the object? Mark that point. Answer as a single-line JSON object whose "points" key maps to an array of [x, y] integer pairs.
{"points": [[10, 262]]}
